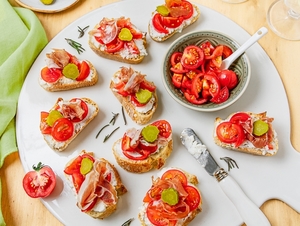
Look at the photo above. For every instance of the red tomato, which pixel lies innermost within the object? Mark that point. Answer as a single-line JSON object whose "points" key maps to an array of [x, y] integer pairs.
{"points": [[174, 173], [114, 46], [157, 24], [192, 73], [84, 107], [207, 48], [77, 179], [177, 80], [51, 75], [132, 47], [175, 58], [62, 129], [228, 78], [126, 146], [178, 68], [230, 133], [193, 199], [172, 22], [40, 182], [44, 127], [196, 85], [147, 85], [186, 82], [135, 101], [193, 99], [226, 51], [151, 147], [214, 85], [216, 57], [155, 216], [222, 96], [138, 155], [189, 8], [164, 127], [240, 117], [74, 167], [84, 71], [192, 57]]}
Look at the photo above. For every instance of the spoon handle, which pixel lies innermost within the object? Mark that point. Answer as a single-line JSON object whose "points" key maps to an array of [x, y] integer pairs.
{"points": [[228, 61]]}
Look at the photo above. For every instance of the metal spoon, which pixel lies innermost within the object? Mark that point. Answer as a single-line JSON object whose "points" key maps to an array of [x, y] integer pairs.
{"points": [[254, 38]]}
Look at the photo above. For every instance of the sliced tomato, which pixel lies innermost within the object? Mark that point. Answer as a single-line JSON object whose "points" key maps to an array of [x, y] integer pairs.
{"points": [[189, 9], [84, 71], [214, 84], [227, 51], [193, 199], [192, 73], [137, 155], [196, 85], [193, 99], [62, 129], [207, 48], [177, 80], [50, 75], [147, 85], [164, 127], [228, 78], [77, 179], [216, 57], [186, 82], [178, 68], [74, 166], [192, 57], [174, 173], [114, 46], [240, 117], [230, 133], [44, 127], [175, 58], [172, 22], [40, 182], [222, 96], [155, 216], [126, 146], [84, 107], [132, 47], [157, 24], [151, 147], [120, 89]]}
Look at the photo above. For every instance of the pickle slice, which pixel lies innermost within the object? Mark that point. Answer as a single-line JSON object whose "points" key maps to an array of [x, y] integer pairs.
{"points": [[170, 196], [162, 10], [53, 116], [150, 133], [71, 71], [260, 128], [86, 166], [125, 34], [143, 95]]}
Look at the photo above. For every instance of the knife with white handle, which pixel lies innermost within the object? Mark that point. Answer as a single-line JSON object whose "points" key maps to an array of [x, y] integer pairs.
{"points": [[250, 213]]}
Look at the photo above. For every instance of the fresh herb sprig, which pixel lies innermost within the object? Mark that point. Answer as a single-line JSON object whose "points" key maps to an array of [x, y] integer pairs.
{"points": [[108, 135], [75, 45], [81, 31], [111, 122], [230, 163], [127, 223], [124, 118]]}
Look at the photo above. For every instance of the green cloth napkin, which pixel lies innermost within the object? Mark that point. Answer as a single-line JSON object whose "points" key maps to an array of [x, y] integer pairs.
{"points": [[21, 40]]}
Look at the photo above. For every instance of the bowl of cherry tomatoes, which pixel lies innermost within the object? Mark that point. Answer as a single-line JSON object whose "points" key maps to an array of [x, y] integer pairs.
{"points": [[192, 74]]}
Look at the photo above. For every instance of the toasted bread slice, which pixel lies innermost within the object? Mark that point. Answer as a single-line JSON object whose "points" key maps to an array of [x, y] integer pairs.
{"points": [[140, 115], [57, 145], [63, 82], [192, 181], [110, 175], [125, 55], [161, 37], [156, 159], [265, 145]]}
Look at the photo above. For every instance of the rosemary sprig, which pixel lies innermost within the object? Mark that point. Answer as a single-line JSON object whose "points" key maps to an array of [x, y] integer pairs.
{"points": [[81, 31], [75, 45], [108, 135], [111, 122], [230, 163], [128, 222], [124, 118]]}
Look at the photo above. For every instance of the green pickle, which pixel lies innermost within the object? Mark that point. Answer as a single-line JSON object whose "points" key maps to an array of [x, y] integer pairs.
{"points": [[125, 34], [162, 10], [47, 2], [143, 95], [170, 196], [86, 166], [71, 71], [260, 127], [53, 116], [150, 133]]}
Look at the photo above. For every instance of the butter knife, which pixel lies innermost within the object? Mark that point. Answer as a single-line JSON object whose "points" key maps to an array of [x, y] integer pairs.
{"points": [[250, 213]]}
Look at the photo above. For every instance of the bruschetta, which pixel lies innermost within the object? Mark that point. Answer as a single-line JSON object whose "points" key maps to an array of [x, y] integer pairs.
{"points": [[141, 150], [64, 71], [247, 132], [136, 94], [118, 39], [96, 184], [65, 120], [172, 17], [173, 199]]}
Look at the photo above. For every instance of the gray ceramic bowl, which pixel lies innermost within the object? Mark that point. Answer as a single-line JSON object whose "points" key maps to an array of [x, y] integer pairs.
{"points": [[241, 67]]}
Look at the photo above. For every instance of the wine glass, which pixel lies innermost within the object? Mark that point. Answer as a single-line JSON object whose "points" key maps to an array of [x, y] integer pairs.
{"points": [[284, 19]]}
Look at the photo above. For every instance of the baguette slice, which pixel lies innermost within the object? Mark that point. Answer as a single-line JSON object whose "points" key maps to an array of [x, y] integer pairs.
{"points": [[156, 160], [161, 37], [269, 140], [192, 181], [93, 110], [102, 208], [137, 114], [124, 55], [64, 83]]}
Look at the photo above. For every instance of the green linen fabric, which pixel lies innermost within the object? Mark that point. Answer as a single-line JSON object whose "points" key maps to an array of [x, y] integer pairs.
{"points": [[22, 39]]}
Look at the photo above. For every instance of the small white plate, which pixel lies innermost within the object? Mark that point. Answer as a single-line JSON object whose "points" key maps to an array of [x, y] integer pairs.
{"points": [[38, 6]]}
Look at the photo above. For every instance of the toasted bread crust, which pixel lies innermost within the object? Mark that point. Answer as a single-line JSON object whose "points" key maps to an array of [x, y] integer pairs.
{"points": [[119, 187], [73, 84], [65, 144], [244, 148], [167, 36], [154, 161]]}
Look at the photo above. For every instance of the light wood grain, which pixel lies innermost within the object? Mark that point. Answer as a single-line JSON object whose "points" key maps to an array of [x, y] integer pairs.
{"points": [[19, 209]]}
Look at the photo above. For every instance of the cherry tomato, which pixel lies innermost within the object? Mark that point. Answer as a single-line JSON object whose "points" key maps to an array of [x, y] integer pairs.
{"points": [[84, 71], [230, 133], [196, 85], [175, 58], [207, 48], [84, 107], [164, 127], [178, 68], [222, 96], [216, 57], [193, 199], [44, 127], [240, 117], [226, 51], [172, 22], [114, 46], [62, 129], [214, 85], [228, 78], [147, 85], [177, 80], [186, 82], [192, 57], [40, 182], [157, 24], [174, 173], [192, 73], [193, 99], [51, 75]]}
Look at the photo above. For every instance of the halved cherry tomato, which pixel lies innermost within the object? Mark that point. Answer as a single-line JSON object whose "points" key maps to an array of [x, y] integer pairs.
{"points": [[239, 117], [230, 133], [192, 57], [196, 85], [228, 78], [226, 51], [62, 129], [172, 22], [175, 58], [114, 46], [50, 75], [84, 71], [84, 107], [44, 127], [177, 80], [222, 96], [39, 183], [207, 48], [214, 85], [216, 57], [186, 82], [193, 99], [164, 127], [178, 68], [147, 85], [174, 173], [193, 199], [192, 73], [157, 24]]}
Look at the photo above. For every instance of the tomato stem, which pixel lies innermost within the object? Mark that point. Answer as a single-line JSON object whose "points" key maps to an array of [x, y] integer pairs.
{"points": [[38, 167]]}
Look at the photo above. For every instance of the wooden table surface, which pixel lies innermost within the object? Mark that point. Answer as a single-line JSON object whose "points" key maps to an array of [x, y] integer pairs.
{"points": [[18, 209]]}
